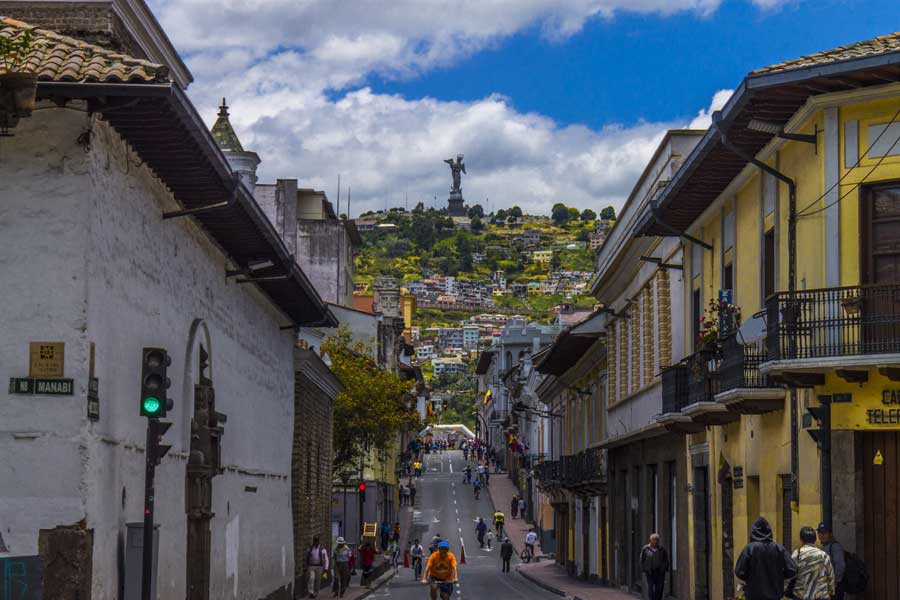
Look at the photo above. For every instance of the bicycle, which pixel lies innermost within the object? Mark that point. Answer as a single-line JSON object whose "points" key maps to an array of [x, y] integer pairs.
{"points": [[417, 568], [526, 555], [477, 492], [445, 587]]}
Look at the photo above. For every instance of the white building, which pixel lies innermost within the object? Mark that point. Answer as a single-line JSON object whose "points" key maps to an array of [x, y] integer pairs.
{"points": [[471, 335], [91, 262], [425, 352]]}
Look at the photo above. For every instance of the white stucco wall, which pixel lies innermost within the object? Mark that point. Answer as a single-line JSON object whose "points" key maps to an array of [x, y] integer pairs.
{"points": [[87, 258]]}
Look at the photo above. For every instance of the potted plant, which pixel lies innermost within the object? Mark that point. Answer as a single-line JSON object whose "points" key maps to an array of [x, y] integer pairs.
{"points": [[17, 87]]}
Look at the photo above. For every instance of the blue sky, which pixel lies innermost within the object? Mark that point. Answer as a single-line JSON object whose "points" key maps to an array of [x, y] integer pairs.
{"points": [[549, 100], [647, 67]]}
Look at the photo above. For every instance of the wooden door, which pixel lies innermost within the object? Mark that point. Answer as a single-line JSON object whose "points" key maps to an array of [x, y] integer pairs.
{"points": [[702, 535], [881, 499], [880, 266]]}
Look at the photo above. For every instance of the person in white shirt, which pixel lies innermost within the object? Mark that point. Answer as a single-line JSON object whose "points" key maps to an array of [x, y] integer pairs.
{"points": [[530, 541]]}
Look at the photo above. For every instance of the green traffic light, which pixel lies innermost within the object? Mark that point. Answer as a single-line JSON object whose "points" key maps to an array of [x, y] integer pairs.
{"points": [[151, 404]]}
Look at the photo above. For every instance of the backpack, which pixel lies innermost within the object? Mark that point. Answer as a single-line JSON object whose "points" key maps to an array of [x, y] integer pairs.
{"points": [[856, 577]]}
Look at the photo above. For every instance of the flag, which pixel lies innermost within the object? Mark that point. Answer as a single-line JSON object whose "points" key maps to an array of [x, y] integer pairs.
{"points": [[487, 397]]}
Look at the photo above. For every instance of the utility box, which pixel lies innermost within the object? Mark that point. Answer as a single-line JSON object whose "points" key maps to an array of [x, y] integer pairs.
{"points": [[134, 557]]}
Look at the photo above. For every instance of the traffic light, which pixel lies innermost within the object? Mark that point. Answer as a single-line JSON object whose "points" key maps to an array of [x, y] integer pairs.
{"points": [[158, 430], [362, 490], [154, 383], [821, 433]]}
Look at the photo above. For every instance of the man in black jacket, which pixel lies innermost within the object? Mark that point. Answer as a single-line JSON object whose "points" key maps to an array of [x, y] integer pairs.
{"points": [[506, 551], [654, 564], [764, 564]]}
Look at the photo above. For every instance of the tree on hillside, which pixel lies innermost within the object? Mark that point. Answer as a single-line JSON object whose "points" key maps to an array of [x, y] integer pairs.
{"points": [[500, 217], [477, 224], [573, 213], [588, 215], [559, 213], [476, 211], [374, 405], [515, 212], [608, 214], [420, 208]]}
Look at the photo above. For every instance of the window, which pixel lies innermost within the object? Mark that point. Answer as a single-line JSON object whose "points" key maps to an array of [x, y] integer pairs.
{"points": [[769, 263], [728, 277], [728, 231]]}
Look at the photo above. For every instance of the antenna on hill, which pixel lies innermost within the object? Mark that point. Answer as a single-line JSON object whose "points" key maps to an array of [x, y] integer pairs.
{"points": [[348, 201], [339, 197]]}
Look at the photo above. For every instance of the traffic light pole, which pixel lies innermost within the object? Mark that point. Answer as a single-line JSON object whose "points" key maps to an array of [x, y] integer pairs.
{"points": [[147, 557]]}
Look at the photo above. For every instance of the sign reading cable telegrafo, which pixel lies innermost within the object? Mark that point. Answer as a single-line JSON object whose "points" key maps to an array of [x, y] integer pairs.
{"points": [[886, 416]]}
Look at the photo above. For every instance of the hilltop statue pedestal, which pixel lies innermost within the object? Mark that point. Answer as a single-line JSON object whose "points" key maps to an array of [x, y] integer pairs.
{"points": [[455, 205]]}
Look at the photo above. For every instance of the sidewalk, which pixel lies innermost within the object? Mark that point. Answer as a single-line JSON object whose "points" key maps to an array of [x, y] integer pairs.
{"points": [[552, 577], [502, 489]]}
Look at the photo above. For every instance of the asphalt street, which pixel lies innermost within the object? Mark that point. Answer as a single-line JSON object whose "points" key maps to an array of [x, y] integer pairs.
{"points": [[447, 506]]}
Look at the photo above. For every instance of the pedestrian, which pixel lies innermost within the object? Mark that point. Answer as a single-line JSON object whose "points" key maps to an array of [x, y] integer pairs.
{"points": [[341, 578], [316, 566], [489, 539], [487, 477], [396, 534], [764, 565], [480, 529], [385, 535], [394, 552], [367, 554], [402, 494], [506, 552], [835, 552], [412, 494], [655, 565], [514, 506], [531, 539], [522, 506], [815, 575], [468, 471]]}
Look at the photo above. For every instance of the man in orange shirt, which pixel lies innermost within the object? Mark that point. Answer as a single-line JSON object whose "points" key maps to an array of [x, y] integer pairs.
{"points": [[442, 570]]}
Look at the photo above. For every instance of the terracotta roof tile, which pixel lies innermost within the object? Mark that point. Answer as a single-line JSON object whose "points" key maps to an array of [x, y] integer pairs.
{"points": [[880, 45], [55, 57]]}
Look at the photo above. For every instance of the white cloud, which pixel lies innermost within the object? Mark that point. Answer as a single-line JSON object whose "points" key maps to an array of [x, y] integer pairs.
{"points": [[704, 115], [288, 69]]}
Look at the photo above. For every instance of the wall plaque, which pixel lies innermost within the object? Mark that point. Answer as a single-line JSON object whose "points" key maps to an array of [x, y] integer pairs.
{"points": [[46, 359]]}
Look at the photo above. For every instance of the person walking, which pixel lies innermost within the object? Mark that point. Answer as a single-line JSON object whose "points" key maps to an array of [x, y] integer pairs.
{"points": [[835, 552], [764, 564], [522, 506], [316, 566], [341, 559], [531, 539], [480, 530], [468, 472], [402, 494], [385, 535], [514, 506], [815, 575], [412, 494], [367, 554], [394, 552], [489, 539], [654, 565], [506, 552]]}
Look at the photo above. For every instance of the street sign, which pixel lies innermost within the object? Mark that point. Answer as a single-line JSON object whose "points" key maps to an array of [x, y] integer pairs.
{"points": [[93, 399], [45, 386], [46, 359]]}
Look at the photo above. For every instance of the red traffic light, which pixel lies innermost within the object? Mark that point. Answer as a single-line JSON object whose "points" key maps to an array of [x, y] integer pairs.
{"points": [[362, 486]]}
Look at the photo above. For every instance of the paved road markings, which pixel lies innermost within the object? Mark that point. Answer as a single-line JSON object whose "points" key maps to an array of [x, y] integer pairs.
{"points": [[451, 465]]}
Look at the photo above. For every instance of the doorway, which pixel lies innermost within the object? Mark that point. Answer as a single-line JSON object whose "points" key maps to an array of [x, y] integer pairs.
{"points": [[586, 537], [880, 266], [881, 527], [702, 534]]}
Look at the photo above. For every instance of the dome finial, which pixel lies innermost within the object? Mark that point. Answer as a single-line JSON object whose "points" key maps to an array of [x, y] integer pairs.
{"points": [[223, 109]]}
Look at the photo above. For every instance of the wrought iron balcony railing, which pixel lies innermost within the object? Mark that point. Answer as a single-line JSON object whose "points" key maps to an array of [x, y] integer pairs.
{"points": [[583, 468], [833, 322], [740, 364], [694, 379], [548, 473]]}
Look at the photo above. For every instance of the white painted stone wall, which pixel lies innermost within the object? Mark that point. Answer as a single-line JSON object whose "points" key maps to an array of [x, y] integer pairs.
{"points": [[86, 257]]}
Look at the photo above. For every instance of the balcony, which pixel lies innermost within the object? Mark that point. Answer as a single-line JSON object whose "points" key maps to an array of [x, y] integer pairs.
{"points": [[742, 387], [547, 474], [689, 394], [849, 329], [584, 472]]}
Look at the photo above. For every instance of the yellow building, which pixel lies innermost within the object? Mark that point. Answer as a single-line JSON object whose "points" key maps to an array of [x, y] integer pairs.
{"points": [[789, 209], [542, 256]]}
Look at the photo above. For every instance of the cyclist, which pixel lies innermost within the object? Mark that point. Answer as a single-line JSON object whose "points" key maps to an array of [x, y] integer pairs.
{"points": [[417, 552], [477, 487], [499, 520], [434, 543], [468, 472], [530, 541], [441, 572]]}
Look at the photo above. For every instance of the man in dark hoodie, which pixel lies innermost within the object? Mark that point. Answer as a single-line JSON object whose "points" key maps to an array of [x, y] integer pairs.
{"points": [[764, 564], [654, 564]]}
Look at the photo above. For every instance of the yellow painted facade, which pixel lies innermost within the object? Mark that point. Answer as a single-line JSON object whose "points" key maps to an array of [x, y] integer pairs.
{"points": [[760, 444]]}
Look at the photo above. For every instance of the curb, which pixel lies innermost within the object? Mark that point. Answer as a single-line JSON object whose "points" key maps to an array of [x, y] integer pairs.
{"points": [[544, 585], [378, 583]]}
